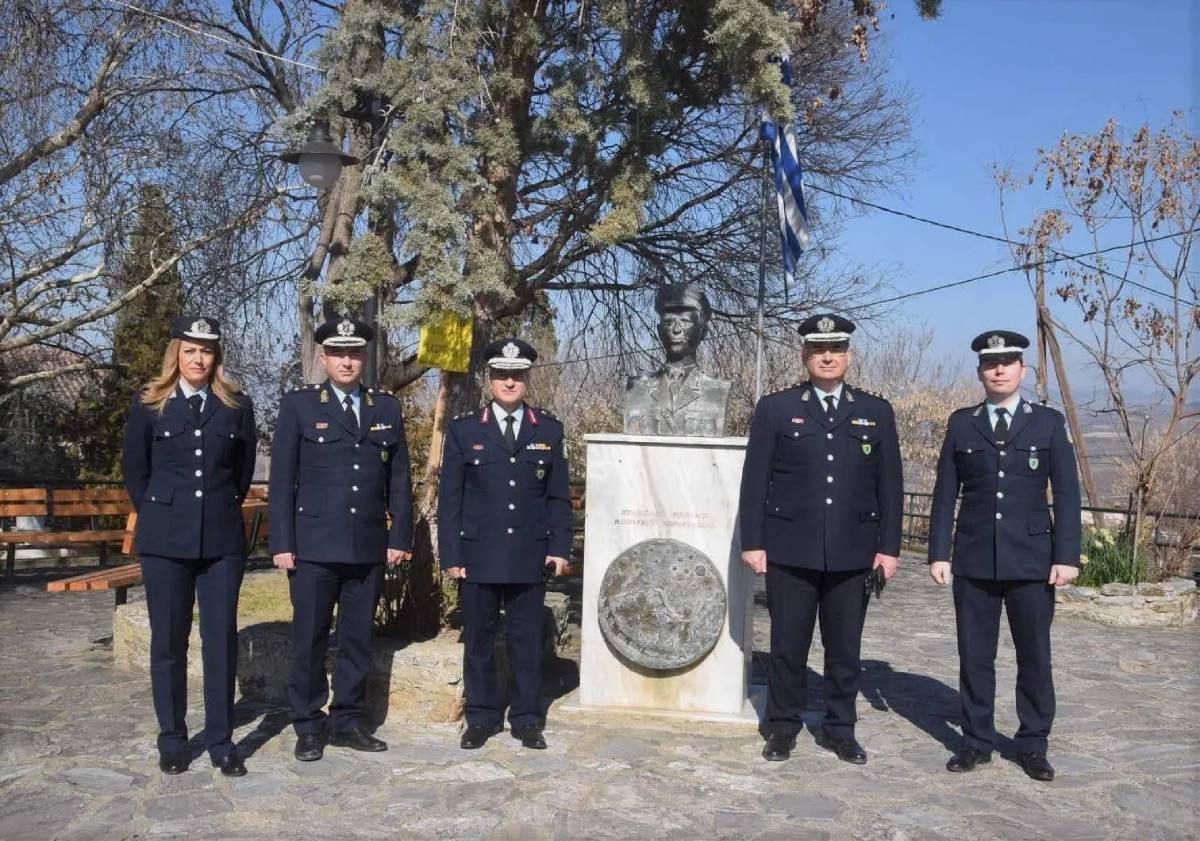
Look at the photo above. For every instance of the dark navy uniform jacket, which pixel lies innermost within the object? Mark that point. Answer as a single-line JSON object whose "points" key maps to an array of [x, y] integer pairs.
{"points": [[501, 513], [817, 493], [1004, 529], [187, 475], [332, 489]]}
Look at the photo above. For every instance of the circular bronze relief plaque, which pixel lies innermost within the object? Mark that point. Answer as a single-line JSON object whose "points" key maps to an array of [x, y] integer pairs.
{"points": [[662, 604]]}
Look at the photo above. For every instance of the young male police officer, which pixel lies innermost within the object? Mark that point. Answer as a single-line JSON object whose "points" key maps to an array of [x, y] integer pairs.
{"points": [[1007, 550], [821, 502], [504, 517], [339, 470]]}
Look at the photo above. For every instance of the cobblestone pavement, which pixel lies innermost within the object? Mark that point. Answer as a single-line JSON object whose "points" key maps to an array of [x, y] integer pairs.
{"points": [[77, 757]]}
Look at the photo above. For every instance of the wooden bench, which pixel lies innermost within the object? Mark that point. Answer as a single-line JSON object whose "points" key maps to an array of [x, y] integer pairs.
{"points": [[58, 505], [120, 579]]}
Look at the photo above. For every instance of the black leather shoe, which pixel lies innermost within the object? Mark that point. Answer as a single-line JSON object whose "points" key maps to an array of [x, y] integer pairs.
{"points": [[309, 747], [173, 763], [846, 748], [530, 737], [356, 738], [231, 765], [778, 747], [474, 738], [967, 759], [1036, 765]]}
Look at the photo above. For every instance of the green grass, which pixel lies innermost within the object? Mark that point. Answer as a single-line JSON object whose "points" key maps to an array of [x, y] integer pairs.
{"points": [[1110, 560]]}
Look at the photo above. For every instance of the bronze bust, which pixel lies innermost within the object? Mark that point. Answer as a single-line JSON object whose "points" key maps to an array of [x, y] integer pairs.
{"points": [[678, 399]]}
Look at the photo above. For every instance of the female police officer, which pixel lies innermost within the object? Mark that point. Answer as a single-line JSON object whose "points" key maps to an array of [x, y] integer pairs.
{"points": [[189, 458]]}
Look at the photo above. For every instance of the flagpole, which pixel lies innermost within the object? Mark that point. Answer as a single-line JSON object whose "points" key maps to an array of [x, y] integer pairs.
{"points": [[762, 268]]}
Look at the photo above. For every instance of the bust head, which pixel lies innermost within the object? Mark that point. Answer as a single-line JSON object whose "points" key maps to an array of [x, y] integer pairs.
{"points": [[683, 316]]}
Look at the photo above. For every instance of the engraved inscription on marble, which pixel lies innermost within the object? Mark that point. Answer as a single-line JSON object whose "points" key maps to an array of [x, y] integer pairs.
{"points": [[662, 604]]}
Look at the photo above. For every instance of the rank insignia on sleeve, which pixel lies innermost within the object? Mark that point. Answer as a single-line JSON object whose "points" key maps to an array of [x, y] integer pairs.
{"points": [[321, 425]]}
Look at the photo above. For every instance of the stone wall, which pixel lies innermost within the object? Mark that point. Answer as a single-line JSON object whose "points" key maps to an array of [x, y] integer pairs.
{"points": [[1171, 603], [410, 682]]}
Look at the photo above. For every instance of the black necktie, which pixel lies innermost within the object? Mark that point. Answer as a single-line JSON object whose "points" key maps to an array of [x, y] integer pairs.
{"points": [[196, 402], [829, 405], [1000, 431], [350, 416], [510, 437]]}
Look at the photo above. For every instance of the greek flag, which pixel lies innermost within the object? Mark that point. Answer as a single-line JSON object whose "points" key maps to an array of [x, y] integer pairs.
{"points": [[789, 185]]}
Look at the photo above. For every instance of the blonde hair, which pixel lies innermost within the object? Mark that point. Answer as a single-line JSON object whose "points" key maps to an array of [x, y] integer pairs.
{"points": [[159, 390]]}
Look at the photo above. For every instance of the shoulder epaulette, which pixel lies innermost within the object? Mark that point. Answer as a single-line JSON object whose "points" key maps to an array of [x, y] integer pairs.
{"points": [[380, 391], [785, 388], [465, 415], [868, 392], [307, 387], [546, 413]]}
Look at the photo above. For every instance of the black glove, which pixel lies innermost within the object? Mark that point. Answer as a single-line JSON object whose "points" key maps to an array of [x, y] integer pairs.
{"points": [[874, 583]]}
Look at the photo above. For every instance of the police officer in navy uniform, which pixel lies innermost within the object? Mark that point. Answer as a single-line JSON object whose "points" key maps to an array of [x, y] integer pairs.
{"points": [[1007, 550], [504, 518], [339, 472], [188, 461], [821, 501]]}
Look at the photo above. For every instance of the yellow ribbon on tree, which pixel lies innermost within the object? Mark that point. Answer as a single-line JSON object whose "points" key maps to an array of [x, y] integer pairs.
{"points": [[446, 343]]}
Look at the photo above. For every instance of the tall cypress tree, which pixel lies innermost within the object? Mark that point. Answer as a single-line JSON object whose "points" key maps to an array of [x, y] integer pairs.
{"points": [[140, 334]]}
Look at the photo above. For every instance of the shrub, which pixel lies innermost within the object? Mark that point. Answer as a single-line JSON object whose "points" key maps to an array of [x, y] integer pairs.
{"points": [[1109, 559]]}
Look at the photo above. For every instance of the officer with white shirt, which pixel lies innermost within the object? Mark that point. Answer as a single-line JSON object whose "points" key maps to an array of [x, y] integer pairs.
{"points": [[339, 473], [504, 519], [188, 461], [1007, 549], [821, 502]]}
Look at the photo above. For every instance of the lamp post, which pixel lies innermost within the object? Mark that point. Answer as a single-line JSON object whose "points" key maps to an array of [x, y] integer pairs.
{"points": [[320, 161]]}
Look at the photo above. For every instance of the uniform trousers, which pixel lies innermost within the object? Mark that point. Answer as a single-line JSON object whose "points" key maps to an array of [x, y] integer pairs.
{"points": [[172, 587], [523, 608], [315, 589], [796, 597], [1030, 608]]}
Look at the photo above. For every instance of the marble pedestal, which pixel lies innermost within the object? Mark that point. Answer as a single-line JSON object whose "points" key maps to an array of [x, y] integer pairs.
{"points": [[641, 487]]}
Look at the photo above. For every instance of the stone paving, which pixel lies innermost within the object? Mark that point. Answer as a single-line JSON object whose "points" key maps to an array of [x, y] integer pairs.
{"points": [[77, 757]]}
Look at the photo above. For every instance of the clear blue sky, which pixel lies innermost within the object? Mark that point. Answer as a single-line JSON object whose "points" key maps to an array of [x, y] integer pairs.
{"points": [[994, 80]]}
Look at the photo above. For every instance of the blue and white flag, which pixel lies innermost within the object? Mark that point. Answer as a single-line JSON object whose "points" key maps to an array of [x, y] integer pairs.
{"points": [[789, 185]]}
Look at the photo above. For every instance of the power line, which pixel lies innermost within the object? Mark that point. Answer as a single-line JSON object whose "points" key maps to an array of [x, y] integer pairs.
{"points": [[915, 294], [994, 238], [237, 45]]}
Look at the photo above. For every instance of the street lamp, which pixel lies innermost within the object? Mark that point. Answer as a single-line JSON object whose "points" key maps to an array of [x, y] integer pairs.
{"points": [[320, 160]]}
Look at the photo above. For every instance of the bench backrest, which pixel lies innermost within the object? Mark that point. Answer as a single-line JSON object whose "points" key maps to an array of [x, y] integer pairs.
{"points": [[90, 502], [23, 502]]}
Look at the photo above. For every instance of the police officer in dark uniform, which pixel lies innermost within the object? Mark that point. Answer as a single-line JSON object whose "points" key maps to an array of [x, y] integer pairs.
{"points": [[1007, 550], [821, 502], [339, 472], [504, 518], [188, 461]]}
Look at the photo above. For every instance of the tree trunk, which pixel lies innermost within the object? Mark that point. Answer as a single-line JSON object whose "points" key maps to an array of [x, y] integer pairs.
{"points": [[1064, 388]]}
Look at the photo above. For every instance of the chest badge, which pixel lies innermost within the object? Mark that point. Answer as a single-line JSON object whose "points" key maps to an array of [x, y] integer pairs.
{"points": [[477, 446], [866, 448], [321, 425], [797, 420], [1033, 458], [541, 473], [385, 455]]}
